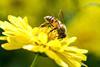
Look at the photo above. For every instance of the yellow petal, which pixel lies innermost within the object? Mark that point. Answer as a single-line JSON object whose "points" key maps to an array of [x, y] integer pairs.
{"points": [[15, 42], [43, 37], [1, 22], [77, 50], [76, 56], [26, 25], [13, 19], [71, 40], [74, 63], [34, 48], [28, 47], [8, 46], [16, 21], [35, 30], [69, 60], [25, 20], [55, 57], [55, 44], [3, 38]]}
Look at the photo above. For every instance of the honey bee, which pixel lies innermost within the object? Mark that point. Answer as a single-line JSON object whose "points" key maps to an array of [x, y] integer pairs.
{"points": [[55, 24]]}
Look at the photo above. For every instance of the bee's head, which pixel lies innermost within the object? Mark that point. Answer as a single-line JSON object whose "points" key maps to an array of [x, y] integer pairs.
{"points": [[48, 18]]}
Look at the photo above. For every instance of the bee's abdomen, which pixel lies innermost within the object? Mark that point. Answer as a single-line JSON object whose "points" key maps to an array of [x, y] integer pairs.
{"points": [[62, 36], [61, 33]]}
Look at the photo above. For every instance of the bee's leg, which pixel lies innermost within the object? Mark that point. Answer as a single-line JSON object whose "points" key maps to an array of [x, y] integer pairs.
{"points": [[53, 29], [52, 33], [44, 24]]}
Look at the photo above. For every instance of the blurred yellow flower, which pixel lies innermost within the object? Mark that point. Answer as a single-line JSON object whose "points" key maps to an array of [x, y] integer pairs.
{"points": [[19, 34], [86, 27]]}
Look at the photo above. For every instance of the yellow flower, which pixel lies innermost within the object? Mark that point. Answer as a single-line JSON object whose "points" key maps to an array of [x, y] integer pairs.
{"points": [[17, 32], [20, 34]]}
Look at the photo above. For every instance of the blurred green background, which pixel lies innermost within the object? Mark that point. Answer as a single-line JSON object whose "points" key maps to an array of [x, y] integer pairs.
{"points": [[82, 18]]}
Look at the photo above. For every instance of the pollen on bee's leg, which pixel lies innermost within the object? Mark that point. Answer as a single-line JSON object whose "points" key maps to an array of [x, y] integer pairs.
{"points": [[53, 35]]}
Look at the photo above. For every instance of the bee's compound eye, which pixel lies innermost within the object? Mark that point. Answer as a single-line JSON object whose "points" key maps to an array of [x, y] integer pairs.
{"points": [[47, 18]]}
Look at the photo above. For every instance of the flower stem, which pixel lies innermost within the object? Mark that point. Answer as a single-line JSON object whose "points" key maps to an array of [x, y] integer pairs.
{"points": [[34, 61]]}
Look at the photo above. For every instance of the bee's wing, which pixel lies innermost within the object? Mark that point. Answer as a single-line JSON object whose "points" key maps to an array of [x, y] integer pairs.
{"points": [[61, 15]]}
